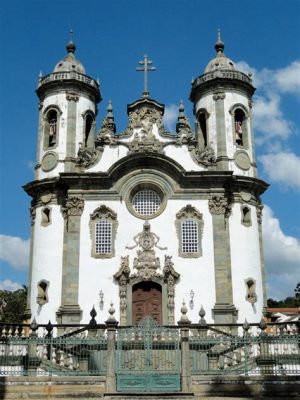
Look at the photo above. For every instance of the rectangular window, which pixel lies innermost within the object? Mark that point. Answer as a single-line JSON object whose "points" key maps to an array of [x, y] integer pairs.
{"points": [[103, 236], [189, 232]]}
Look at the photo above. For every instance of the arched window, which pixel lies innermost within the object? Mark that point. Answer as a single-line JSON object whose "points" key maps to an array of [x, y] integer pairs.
{"points": [[240, 126], [46, 216], [251, 295], [203, 128], [246, 216], [189, 227], [88, 129], [103, 228], [42, 297], [51, 127]]}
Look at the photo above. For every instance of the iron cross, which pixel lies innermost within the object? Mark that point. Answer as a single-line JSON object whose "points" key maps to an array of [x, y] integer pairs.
{"points": [[146, 66]]}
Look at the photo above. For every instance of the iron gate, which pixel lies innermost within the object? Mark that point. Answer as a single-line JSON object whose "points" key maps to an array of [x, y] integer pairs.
{"points": [[148, 358]]}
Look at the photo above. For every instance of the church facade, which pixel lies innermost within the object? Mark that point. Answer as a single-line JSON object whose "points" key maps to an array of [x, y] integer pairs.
{"points": [[146, 219]]}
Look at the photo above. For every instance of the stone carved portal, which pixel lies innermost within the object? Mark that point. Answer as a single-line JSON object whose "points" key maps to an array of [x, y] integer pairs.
{"points": [[146, 274]]}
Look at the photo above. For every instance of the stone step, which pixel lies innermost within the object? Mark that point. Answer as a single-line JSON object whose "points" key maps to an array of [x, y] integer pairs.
{"points": [[149, 396]]}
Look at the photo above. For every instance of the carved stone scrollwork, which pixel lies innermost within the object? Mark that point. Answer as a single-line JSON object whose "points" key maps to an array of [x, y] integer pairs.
{"points": [[219, 95], [107, 131], [170, 276], [205, 156], [70, 96], [32, 211], [104, 212], [219, 205], [145, 267], [73, 207], [259, 213], [145, 143], [86, 157], [183, 129]]}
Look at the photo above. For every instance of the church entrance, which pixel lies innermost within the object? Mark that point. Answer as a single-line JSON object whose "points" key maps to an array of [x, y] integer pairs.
{"points": [[146, 302]]}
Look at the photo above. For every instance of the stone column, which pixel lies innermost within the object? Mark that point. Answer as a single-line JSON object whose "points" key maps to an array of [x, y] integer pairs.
{"points": [[111, 324], [69, 311], [224, 310], [71, 132], [222, 157]]}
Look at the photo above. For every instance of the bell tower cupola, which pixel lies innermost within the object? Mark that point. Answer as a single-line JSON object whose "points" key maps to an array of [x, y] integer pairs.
{"points": [[67, 111], [222, 98]]}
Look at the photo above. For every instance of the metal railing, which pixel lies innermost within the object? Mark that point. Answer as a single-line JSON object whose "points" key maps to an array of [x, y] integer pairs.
{"points": [[93, 349]]}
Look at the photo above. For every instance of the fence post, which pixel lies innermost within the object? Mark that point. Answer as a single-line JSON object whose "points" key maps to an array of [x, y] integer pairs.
{"points": [[184, 324], [264, 361], [111, 325], [32, 359]]}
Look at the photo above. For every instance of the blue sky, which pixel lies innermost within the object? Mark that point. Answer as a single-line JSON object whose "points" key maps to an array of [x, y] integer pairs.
{"points": [[179, 36]]}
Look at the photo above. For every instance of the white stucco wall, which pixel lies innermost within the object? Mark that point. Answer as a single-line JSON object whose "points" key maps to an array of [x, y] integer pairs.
{"points": [[197, 274], [47, 264], [245, 263]]}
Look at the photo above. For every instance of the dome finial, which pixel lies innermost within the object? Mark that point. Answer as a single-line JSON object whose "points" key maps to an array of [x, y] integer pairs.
{"points": [[219, 46], [71, 45]]}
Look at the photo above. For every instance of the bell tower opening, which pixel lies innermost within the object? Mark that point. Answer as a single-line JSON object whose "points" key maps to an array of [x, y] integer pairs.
{"points": [[146, 301]]}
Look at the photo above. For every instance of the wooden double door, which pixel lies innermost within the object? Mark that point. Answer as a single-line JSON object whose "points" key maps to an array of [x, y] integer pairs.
{"points": [[146, 301]]}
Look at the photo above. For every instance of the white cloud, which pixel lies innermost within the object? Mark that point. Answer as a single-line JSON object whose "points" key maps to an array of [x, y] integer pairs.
{"points": [[288, 78], [282, 257], [9, 285], [31, 165], [283, 168], [170, 117], [269, 120], [14, 251]]}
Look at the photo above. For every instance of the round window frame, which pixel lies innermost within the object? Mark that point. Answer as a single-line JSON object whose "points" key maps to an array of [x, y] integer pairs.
{"points": [[146, 186]]}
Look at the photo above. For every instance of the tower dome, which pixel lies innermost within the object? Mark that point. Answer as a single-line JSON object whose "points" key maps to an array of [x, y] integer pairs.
{"points": [[70, 62], [220, 62]]}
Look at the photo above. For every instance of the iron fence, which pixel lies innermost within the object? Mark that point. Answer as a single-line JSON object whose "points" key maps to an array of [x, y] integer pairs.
{"points": [[272, 349]]}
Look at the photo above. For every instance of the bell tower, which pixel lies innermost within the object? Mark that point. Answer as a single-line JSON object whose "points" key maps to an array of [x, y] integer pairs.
{"points": [[67, 110], [222, 98]]}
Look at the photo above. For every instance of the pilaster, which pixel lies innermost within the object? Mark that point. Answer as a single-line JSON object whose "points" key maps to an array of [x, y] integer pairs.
{"points": [[72, 99], [70, 311], [224, 310], [259, 211], [40, 138], [222, 157], [27, 313], [252, 140]]}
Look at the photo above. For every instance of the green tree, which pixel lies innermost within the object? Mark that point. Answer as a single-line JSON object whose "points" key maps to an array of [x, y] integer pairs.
{"points": [[288, 301], [13, 305]]}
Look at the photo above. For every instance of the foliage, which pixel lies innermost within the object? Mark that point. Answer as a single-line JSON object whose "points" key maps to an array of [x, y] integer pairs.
{"points": [[13, 305], [288, 301]]}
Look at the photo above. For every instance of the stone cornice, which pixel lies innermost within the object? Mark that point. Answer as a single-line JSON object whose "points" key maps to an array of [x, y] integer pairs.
{"points": [[234, 80], [62, 81], [202, 182]]}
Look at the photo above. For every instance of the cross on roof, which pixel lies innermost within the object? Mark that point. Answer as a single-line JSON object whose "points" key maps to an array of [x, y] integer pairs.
{"points": [[146, 66]]}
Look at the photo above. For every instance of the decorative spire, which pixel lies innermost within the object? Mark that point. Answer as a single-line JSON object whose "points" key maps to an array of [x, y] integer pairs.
{"points": [[110, 110], [181, 109], [71, 45], [219, 46]]}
